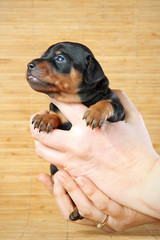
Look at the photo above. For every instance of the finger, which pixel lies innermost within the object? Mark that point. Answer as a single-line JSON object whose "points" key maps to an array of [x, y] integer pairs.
{"points": [[73, 111], [62, 198], [51, 155], [100, 200], [46, 180], [84, 205], [131, 111], [126, 102], [66, 205]]}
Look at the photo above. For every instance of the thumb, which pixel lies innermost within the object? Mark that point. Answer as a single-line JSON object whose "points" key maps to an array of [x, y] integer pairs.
{"points": [[131, 112]]}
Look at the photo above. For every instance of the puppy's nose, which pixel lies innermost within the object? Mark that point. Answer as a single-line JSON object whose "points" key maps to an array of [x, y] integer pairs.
{"points": [[31, 65]]}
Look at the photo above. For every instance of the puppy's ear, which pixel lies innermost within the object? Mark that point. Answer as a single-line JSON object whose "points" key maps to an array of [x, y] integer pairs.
{"points": [[94, 72]]}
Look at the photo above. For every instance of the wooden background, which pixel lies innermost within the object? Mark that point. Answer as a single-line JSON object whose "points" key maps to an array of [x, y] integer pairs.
{"points": [[125, 37]]}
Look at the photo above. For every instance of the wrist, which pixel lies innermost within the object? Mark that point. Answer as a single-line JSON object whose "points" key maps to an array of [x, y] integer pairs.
{"points": [[150, 194]]}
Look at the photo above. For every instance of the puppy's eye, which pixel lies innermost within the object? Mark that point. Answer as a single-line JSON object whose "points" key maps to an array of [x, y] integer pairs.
{"points": [[60, 58]]}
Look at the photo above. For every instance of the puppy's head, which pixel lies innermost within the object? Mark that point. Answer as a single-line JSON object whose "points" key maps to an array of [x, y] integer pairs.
{"points": [[63, 70]]}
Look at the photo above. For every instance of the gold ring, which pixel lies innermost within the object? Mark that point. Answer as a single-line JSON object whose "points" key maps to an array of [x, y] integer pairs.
{"points": [[101, 224]]}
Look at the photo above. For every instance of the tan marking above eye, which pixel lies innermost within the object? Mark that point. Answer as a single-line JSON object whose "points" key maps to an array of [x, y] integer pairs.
{"points": [[58, 52]]}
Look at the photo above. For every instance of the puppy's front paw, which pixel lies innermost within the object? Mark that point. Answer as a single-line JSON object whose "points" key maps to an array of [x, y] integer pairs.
{"points": [[94, 118], [98, 113], [46, 122]]}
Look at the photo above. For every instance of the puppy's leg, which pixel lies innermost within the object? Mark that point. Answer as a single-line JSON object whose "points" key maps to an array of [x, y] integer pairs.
{"points": [[55, 119], [65, 124], [118, 111], [60, 122]]}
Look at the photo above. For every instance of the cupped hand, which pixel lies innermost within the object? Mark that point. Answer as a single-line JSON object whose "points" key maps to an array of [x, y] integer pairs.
{"points": [[92, 203], [119, 158]]}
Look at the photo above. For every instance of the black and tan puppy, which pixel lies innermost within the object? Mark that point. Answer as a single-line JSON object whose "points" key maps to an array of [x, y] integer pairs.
{"points": [[70, 73]]}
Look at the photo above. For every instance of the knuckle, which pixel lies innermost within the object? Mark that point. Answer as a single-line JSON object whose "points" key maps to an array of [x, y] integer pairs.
{"points": [[70, 187], [38, 150], [89, 191], [56, 193], [67, 181], [85, 212], [102, 208]]}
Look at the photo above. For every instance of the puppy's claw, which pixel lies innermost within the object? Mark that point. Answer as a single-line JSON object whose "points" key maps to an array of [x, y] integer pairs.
{"points": [[87, 123], [35, 125], [93, 126], [33, 120], [48, 130], [40, 128], [86, 115], [101, 123]]}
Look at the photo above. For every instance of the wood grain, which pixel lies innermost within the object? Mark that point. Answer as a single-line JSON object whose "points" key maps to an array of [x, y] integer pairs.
{"points": [[124, 36]]}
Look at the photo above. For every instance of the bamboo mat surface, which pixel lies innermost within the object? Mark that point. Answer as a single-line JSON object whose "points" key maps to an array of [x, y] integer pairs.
{"points": [[124, 35]]}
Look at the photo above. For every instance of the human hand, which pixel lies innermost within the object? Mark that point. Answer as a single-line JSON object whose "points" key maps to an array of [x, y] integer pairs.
{"points": [[92, 203], [118, 158]]}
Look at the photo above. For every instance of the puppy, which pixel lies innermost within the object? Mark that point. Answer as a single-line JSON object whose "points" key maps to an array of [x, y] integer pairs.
{"points": [[70, 73]]}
